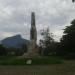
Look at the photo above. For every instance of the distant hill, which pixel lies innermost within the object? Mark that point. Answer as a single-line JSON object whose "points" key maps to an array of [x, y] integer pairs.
{"points": [[15, 41]]}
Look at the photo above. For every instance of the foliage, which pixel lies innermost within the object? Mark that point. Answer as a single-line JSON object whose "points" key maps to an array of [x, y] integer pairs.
{"points": [[68, 40], [2, 50], [24, 47], [46, 43], [73, 0], [13, 51]]}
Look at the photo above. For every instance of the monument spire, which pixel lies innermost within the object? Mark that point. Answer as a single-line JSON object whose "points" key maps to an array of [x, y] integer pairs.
{"points": [[33, 18], [33, 31], [32, 48], [33, 37]]}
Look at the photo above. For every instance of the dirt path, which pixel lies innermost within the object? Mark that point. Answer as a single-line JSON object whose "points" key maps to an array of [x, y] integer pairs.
{"points": [[68, 68]]}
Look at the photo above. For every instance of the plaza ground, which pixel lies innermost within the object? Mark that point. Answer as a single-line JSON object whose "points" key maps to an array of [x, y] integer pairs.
{"points": [[67, 68]]}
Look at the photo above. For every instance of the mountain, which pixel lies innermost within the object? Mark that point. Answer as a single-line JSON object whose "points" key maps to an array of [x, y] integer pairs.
{"points": [[15, 41]]}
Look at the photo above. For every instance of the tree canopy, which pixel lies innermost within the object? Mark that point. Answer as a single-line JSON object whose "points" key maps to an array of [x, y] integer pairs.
{"points": [[73, 0], [68, 40], [46, 42]]}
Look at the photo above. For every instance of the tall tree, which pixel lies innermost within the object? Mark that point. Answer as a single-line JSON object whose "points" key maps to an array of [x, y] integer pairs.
{"points": [[46, 42], [73, 0], [3, 50], [68, 40]]}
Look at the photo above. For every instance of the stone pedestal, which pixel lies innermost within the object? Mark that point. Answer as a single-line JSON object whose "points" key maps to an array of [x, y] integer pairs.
{"points": [[32, 50]]}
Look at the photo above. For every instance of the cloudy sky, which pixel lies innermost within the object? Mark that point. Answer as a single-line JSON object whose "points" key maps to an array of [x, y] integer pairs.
{"points": [[15, 16]]}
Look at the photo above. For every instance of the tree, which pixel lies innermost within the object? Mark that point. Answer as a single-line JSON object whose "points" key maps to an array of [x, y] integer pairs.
{"points": [[68, 40], [46, 42], [73, 0], [2, 50], [24, 48]]}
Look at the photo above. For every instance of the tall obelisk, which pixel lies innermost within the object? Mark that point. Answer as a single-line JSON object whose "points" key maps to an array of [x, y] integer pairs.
{"points": [[33, 37], [32, 47], [33, 31]]}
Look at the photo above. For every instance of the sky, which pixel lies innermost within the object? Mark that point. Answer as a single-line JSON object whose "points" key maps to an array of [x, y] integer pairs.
{"points": [[15, 17]]}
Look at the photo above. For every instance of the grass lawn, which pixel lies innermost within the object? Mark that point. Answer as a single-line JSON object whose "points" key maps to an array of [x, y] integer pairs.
{"points": [[42, 66], [67, 68], [34, 61]]}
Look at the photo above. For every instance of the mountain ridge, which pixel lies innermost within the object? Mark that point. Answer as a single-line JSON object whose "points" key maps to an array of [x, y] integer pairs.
{"points": [[15, 41]]}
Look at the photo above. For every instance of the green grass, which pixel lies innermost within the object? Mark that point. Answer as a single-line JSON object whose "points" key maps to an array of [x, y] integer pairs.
{"points": [[67, 68], [35, 61], [46, 60]]}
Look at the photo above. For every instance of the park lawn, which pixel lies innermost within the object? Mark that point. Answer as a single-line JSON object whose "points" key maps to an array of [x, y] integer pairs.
{"points": [[13, 60], [67, 68], [14, 66]]}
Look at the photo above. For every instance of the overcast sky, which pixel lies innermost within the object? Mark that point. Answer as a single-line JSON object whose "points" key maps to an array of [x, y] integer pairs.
{"points": [[15, 16]]}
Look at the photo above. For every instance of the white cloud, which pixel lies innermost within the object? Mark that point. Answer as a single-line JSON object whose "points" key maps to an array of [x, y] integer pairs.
{"points": [[15, 16]]}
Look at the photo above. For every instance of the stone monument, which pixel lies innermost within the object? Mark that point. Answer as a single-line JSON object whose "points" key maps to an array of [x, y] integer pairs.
{"points": [[33, 37], [32, 47]]}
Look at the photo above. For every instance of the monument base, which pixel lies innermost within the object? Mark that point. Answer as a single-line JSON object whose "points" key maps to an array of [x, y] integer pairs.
{"points": [[32, 50], [30, 55]]}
